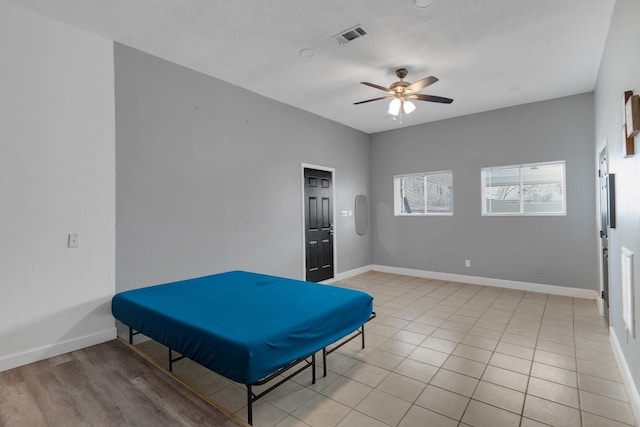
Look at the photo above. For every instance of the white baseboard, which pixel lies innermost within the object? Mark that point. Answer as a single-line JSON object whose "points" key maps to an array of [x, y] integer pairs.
{"points": [[34, 355], [632, 390], [475, 280], [600, 305], [348, 274]]}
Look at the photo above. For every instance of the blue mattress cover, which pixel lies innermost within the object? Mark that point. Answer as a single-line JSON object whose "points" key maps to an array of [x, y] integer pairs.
{"points": [[242, 325]]}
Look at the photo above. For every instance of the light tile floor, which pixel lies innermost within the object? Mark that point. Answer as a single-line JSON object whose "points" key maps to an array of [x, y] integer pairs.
{"points": [[448, 354]]}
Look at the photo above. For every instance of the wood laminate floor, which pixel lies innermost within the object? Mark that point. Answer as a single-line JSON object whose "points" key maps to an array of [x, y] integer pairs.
{"points": [[109, 384]]}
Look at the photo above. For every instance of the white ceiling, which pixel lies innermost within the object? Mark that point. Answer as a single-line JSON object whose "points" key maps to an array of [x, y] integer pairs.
{"points": [[487, 54]]}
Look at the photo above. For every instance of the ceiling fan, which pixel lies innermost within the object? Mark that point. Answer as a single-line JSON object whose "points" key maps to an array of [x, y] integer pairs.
{"points": [[404, 92]]}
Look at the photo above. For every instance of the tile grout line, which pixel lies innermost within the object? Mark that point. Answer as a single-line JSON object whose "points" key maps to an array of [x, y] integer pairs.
{"points": [[458, 309]]}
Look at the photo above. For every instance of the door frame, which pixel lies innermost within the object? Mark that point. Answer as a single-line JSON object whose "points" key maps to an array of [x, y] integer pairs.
{"points": [[304, 166], [600, 303]]}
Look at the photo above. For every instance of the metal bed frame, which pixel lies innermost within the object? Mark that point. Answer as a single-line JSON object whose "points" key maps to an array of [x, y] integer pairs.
{"points": [[307, 362]]}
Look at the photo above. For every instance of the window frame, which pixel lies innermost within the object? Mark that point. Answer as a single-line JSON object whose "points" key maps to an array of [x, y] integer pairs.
{"points": [[397, 204], [521, 200]]}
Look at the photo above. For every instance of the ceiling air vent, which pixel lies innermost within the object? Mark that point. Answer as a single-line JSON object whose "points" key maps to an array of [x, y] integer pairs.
{"points": [[349, 35]]}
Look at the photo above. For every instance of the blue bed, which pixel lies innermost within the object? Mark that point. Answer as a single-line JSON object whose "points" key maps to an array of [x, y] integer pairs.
{"points": [[244, 326]]}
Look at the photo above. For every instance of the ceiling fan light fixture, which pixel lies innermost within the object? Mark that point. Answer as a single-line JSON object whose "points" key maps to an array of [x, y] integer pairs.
{"points": [[394, 107], [408, 107]]}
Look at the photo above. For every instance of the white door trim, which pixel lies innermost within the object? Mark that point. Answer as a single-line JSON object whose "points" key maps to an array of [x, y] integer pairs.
{"points": [[603, 146], [335, 228]]}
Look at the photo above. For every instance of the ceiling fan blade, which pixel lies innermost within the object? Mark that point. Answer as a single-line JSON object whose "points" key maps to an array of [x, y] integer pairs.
{"points": [[374, 99], [421, 84], [430, 98], [373, 85]]}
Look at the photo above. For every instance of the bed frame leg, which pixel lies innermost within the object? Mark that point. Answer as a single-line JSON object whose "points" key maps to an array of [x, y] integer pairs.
{"points": [[325, 352], [360, 331], [313, 368], [170, 361], [131, 334], [249, 405], [324, 362]]}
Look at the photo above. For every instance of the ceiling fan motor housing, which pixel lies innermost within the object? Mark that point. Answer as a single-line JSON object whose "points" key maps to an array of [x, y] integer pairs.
{"points": [[399, 87]]}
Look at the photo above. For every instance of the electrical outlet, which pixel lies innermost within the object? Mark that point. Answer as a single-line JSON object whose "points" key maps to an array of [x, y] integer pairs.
{"points": [[467, 263], [539, 270], [72, 240]]}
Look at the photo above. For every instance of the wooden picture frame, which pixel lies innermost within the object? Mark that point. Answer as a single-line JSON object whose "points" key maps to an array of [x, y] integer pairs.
{"points": [[632, 113], [629, 141]]}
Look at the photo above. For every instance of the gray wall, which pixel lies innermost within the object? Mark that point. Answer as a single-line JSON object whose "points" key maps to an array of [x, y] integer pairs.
{"points": [[498, 247], [619, 73], [208, 176], [57, 177]]}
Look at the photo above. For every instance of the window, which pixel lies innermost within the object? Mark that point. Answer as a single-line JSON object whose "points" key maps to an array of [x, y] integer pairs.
{"points": [[429, 193], [532, 189]]}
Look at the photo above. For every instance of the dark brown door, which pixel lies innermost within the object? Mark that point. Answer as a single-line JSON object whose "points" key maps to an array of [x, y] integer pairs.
{"points": [[318, 221], [604, 228]]}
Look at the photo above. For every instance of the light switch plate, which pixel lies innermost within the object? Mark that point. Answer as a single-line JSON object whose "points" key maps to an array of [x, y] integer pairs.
{"points": [[72, 241]]}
